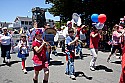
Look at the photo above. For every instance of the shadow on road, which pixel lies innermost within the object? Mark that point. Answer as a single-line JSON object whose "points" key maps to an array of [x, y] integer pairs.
{"points": [[2, 64], [29, 68], [102, 67], [60, 54], [81, 74], [83, 56], [10, 64], [116, 62], [56, 63]]}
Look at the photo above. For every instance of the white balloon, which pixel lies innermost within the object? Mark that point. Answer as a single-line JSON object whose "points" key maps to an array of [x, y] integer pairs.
{"points": [[79, 22], [75, 17], [99, 25]]}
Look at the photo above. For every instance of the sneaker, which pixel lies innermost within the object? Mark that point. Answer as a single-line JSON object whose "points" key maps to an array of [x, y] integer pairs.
{"points": [[72, 77], [92, 68], [66, 73], [24, 70], [8, 64], [4, 61]]}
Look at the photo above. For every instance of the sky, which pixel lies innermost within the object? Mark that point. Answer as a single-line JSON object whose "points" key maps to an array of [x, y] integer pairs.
{"points": [[10, 9]]}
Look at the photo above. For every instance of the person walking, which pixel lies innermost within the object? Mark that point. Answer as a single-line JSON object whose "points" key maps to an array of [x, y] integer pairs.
{"points": [[39, 59], [23, 53], [94, 40], [70, 54], [116, 41], [5, 46]]}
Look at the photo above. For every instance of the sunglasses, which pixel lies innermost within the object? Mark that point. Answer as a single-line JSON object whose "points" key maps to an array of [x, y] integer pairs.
{"points": [[23, 36], [5, 29], [71, 32]]}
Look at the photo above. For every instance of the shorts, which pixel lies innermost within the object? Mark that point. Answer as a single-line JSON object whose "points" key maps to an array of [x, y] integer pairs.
{"points": [[38, 68]]}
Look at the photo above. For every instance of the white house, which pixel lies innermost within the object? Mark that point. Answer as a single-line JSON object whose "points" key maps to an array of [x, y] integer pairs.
{"points": [[19, 22]]}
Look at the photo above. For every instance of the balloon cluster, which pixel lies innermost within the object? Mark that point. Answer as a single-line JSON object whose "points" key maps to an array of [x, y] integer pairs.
{"points": [[99, 20]]}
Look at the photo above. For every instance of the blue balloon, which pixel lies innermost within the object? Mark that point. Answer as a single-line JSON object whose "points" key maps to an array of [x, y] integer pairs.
{"points": [[94, 17]]}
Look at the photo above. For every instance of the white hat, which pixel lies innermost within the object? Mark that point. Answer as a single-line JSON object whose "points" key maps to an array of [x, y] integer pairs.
{"points": [[4, 28]]}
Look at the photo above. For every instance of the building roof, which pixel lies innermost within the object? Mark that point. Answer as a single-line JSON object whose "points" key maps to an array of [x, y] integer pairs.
{"points": [[23, 18]]}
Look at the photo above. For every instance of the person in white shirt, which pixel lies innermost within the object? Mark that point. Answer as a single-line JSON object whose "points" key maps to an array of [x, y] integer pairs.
{"points": [[23, 51], [5, 45]]}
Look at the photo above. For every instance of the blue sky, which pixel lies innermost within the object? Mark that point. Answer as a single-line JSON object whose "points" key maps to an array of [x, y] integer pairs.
{"points": [[12, 8]]}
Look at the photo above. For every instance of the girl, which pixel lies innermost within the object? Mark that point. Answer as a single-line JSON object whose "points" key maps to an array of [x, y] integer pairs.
{"points": [[94, 40], [116, 41], [39, 59], [23, 51]]}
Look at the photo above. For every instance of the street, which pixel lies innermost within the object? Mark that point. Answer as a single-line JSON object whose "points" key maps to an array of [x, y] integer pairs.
{"points": [[105, 72]]}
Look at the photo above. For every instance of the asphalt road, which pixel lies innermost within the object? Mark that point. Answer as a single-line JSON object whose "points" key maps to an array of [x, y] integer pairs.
{"points": [[104, 73]]}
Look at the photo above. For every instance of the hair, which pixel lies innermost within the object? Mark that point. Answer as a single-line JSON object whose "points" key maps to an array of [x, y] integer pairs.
{"points": [[70, 30], [94, 28], [22, 35], [116, 27]]}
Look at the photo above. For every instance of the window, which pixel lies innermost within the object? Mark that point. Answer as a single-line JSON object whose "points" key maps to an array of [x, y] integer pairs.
{"points": [[30, 23], [26, 22], [22, 22]]}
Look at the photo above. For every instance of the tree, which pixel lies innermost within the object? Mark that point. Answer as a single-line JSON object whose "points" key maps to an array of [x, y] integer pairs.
{"points": [[65, 8]]}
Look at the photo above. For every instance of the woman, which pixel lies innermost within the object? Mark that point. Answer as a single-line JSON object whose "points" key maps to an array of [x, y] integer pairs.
{"points": [[94, 40], [39, 59], [5, 45], [116, 40]]}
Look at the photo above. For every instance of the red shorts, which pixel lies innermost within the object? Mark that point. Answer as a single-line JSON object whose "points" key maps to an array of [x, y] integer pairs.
{"points": [[38, 68]]}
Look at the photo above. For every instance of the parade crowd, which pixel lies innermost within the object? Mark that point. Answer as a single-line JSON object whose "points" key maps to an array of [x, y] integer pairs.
{"points": [[70, 38]]}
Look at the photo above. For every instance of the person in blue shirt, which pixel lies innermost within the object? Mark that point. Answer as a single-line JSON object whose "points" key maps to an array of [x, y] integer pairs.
{"points": [[70, 49]]}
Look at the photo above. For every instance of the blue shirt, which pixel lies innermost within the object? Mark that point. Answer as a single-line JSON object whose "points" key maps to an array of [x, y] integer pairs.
{"points": [[68, 40]]}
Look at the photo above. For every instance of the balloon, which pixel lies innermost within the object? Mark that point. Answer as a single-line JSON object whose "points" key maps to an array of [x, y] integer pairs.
{"points": [[79, 22], [102, 18], [75, 17], [99, 25], [94, 17]]}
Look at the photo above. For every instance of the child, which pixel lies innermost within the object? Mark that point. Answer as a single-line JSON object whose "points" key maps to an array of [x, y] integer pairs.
{"points": [[94, 40], [39, 59], [70, 54], [23, 51]]}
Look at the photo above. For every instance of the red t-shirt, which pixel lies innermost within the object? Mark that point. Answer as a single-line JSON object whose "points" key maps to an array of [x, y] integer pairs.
{"points": [[78, 31], [122, 77], [94, 40], [39, 58]]}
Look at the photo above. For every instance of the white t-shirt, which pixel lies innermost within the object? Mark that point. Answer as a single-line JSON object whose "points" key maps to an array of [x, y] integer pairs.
{"points": [[24, 50], [6, 40]]}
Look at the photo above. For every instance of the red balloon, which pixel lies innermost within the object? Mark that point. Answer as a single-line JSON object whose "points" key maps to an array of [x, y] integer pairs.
{"points": [[102, 18]]}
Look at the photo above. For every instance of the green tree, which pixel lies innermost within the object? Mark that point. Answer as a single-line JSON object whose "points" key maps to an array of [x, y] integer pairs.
{"points": [[65, 8]]}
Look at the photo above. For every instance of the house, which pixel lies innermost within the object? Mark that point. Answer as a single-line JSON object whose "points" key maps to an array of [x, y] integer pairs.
{"points": [[4, 24], [25, 22]]}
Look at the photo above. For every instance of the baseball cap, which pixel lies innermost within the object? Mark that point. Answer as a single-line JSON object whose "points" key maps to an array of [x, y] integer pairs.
{"points": [[39, 31]]}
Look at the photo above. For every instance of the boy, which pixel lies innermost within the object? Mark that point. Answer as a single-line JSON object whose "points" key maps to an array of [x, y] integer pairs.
{"points": [[70, 49]]}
